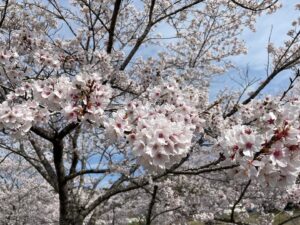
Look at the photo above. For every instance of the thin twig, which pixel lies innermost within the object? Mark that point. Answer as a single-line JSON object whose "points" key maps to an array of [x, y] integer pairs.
{"points": [[238, 201]]}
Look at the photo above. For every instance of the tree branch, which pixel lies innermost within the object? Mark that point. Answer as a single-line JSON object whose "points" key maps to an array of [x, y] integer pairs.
{"points": [[3, 14], [112, 26], [165, 211], [204, 170], [42, 133], [238, 201], [257, 9], [151, 205], [140, 39], [66, 130], [47, 166], [286, 65], [177, 11], [291, 85], [82, 172]]}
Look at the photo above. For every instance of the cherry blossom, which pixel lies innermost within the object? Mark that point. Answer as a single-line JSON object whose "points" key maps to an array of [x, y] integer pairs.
{"points": [[107, 119]]}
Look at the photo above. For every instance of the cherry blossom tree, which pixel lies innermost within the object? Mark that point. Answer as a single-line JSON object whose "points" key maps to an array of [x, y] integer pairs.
{"points": [[25, 196], [109, 135]]}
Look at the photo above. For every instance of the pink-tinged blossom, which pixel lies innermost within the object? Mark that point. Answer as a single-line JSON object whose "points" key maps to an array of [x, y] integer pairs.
{"points": [[71, 113], [270, 143], [116, 127], [82, 99], [159, 131], [270, 119], [161, 140], [278, 155], [241, 141], [154, 110]]}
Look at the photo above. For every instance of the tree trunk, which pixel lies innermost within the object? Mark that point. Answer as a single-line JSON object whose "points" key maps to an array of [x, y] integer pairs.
{"points": [[71, 221], [69, 211], [69, 215]]}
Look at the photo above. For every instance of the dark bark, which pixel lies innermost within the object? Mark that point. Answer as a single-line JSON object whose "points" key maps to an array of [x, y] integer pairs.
{"points": [[3, 13], [112, 26], [69, 213], [151, 205]]}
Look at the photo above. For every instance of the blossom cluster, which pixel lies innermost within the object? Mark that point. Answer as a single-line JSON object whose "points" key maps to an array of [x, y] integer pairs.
{"points": [[7, 55], [46, 59], [81, 99], [20, 117], [267, 146], [187, 101], [159, 131]]}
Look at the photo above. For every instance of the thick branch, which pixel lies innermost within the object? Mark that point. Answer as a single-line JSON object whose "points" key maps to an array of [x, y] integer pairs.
{"points": [[67, 130], [47, 166], [43, 133], [36, 165], [112, 26]]}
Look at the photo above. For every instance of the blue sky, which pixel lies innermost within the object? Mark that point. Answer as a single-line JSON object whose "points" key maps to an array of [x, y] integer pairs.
{"points": [[256, 42]]}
